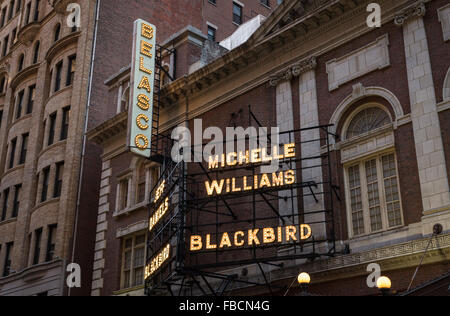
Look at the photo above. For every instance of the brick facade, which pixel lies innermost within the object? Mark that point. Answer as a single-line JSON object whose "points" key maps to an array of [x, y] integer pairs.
{"points": [[293, 79]]}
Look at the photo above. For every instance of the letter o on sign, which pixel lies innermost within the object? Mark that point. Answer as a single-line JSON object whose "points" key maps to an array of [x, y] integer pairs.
{"points": [[138, 141]]}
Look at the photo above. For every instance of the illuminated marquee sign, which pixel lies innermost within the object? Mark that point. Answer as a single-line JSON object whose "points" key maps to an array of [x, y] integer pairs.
{"points": [[142, 83], [157, 261], [253, 237], [254, 182]]}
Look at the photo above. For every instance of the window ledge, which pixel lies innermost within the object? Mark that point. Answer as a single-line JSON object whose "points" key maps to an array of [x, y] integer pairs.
{"points": [[131, 290], [43, 204], [8, 221], [55, 94], [130, 210], [48, 148], [379, 234]]}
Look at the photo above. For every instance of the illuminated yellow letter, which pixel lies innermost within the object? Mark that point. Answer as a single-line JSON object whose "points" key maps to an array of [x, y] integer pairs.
{"points": [[143, 102], [145, 84], [146, 49], [236, 242], [225, 241], [269, 235], [214, 186], [196, 243], [291, 231], [308, 233], [253, 238], [147, 31]]}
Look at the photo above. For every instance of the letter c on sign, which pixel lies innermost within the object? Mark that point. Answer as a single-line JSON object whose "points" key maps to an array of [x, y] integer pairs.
{"points": [[139, 119]]}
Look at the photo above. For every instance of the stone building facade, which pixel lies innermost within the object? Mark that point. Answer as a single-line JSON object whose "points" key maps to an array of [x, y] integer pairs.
{"points": [[51, 91], [384, 90]]}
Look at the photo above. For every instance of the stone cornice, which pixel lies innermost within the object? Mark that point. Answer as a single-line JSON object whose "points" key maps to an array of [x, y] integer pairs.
{"points": [[109, 129], [418, 9], [294, 70]]}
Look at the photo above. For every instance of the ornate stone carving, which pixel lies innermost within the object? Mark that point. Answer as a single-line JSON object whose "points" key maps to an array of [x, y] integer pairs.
{"points": [[293, 71], [418, 10]]}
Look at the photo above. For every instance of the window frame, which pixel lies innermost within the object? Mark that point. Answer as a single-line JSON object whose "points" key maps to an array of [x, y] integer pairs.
{"points": [[361, 163], [132, 268]]}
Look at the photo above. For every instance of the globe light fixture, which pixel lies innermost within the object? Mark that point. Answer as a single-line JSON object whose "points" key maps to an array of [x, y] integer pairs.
{"points": [[304, 280], [384, 284]]}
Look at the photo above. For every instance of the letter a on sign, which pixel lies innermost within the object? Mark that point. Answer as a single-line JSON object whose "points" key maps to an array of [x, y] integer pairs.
{"points": [[141, 89]]}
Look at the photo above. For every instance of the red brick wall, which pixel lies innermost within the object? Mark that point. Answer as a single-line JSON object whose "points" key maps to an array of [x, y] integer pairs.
{"points": [[393, 78]]}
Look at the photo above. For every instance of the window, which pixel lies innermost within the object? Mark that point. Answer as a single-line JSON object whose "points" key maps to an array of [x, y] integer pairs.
{"points": [[36, 11], [71, 70], [57, 33], [237, 13], [28, 13], [51, 131], [123, 195], [133, 261], [23, 150], [211, 33], [16, 204], [46, 176], [51, 241], [11, 10], [19, 104], [37, 246], [373, 195], [5, 204], [7, 265], [265, 2], [65, 123], [141, 184], [58, 179], [12, 153], [2, 85], [36, 52], [20, 62], [366, 121], [5, 46], [31, 95], [58, 76], [3, 19]]}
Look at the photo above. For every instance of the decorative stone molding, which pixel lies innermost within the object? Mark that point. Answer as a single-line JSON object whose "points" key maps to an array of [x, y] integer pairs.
{"points": [[360, 92], [444, 18], [293, 71], [358, 63], [417, 10]]}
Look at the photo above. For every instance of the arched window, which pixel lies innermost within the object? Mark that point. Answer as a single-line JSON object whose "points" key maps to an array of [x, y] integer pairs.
{"points": [[367, 120], [372, 184], [57, 33], [36, 52], [21, 62]]}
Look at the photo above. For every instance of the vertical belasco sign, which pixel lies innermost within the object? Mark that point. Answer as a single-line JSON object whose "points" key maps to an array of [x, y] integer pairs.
{"points": [[140, 114]]}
